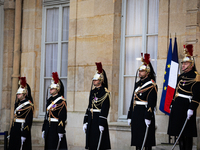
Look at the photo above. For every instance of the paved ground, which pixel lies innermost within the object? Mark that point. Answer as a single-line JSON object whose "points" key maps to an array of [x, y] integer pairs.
{"points": [[159, 147]]}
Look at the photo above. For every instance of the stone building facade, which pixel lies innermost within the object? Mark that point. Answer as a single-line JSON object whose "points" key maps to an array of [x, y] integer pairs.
{"points": [[94, 32]]}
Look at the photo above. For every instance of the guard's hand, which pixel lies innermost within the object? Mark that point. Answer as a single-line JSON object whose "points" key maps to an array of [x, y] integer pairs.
{"points": [[43, 134], [129, 122], [23, 139], [189, 113], [101, 128], [60, 135], [147, 122], [85, 127]]}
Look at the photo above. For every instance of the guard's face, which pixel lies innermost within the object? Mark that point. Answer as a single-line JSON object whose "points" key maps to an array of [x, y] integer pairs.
{"points": [[20, 96], [96, 83], [186, 66], [142, 74], [53, 91]]}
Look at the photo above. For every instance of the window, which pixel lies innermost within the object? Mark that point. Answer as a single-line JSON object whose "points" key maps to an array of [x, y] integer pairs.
{"points": [[1, 45], [54, 55], [139, 35]]}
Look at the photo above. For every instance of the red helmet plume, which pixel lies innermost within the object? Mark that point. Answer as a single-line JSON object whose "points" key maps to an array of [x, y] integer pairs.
{"points": [[55, 77], [99, 67], [22, 81]]}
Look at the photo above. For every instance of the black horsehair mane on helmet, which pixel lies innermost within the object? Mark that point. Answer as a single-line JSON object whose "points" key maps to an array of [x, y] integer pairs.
{"points": [[152, 74]]}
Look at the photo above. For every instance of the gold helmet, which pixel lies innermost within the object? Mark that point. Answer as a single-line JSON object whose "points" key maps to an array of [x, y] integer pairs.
{"points": [[188, 50], [55, 82], [146, 61], [22, 86], [99, 73]]}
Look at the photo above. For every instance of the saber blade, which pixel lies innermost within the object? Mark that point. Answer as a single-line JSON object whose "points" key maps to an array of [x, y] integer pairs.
{"points": [[99, 140], [145, 137], [58, 144], [180, 134], [21, 146]]}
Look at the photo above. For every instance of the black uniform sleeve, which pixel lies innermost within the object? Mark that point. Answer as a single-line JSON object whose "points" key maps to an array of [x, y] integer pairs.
{"points": [[62, 117], [28, 122], [131, 107], [195, 97], [85, 120], [152, 100], [45, 120], [104, 111]]}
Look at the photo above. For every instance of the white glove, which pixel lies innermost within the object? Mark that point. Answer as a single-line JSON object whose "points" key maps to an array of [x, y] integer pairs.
{"points": [[23, 139], [189, 113], [43, 134], [129, 122], [85, 127], [147, 122], [60, 135], [101, 128]]}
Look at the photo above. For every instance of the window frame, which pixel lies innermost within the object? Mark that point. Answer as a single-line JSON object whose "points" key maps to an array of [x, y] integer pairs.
{"points": [[49, 5], [1, 45], [144, 36]]}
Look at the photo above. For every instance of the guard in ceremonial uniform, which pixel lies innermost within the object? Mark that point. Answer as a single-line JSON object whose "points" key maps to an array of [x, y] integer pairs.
{"points": [[53, 130], [95, 119], [20, 133], [185, 102], [143, 102]]}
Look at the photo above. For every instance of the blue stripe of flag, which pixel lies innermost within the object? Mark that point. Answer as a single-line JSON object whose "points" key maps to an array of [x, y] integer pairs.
{"points": [[166, 77]]}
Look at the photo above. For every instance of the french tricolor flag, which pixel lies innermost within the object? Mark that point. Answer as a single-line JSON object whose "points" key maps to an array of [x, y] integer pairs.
{"points": [[170, 78]]}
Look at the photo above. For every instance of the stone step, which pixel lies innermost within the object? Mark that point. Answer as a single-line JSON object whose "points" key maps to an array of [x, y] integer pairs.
{"points": [[158, 147]]}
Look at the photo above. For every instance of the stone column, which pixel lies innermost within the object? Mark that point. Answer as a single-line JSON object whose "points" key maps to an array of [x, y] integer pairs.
{"points": [[16, 59], [9, 13]]}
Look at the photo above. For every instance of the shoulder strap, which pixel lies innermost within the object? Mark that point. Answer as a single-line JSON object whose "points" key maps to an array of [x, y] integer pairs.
{"points": [[147, 83], [55, 101], [22, 105]]}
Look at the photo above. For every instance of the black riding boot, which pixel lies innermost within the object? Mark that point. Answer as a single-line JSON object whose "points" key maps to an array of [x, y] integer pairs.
{"points": [[182, 143], [148, 148], [188, 143], [138, 148]]}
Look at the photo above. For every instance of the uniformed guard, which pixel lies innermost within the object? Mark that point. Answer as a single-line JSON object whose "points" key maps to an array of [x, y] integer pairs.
{"points": [[95, 119], [20, 133], [185, 102], [53, 130], [141, 110]]}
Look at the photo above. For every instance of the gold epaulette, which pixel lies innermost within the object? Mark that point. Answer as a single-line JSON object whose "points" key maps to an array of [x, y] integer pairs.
{"points": [[31, 103], [106, 90], [63, 98], [153, 82], [197, 77]]}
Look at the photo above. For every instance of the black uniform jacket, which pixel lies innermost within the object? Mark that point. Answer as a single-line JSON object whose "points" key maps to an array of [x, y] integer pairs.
{"points": [[99, 100], [21, 129], [57, 111], [187, 84], [145, 91]]}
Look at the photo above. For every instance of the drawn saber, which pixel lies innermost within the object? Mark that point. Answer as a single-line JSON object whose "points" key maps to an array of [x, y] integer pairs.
{"points": [[21, 146], [100, 140], [58, 144], [180, 134], [145, 137]]}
